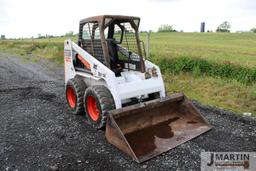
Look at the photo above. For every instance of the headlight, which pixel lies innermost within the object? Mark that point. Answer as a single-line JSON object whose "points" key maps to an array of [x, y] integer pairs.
{"points": [[147, 75], [154, 72]]}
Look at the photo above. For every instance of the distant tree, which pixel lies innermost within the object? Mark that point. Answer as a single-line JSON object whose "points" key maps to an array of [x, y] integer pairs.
{"points": [[39, 36], [166, 28], [69, 34], [2, 37], [253, 30], [224, 27]]}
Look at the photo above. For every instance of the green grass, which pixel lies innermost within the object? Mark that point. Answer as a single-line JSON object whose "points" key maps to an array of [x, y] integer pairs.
{"points": [[234, 48], [242, 74], [237, 48], [50, 50], [219, 92], [213, 68]]}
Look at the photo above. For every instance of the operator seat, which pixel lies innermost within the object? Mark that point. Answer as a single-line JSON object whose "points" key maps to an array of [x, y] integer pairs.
{"points": [[114, 61]]}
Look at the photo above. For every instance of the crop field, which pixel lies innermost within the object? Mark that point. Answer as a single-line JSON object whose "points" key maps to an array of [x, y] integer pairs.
{"points": [[214, 68]]}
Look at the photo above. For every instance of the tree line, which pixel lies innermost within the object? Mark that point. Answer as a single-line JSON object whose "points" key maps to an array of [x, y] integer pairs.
{"points": [[223, 27]]}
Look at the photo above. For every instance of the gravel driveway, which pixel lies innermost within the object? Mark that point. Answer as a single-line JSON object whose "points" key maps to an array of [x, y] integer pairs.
{"points": [[37, 132]]}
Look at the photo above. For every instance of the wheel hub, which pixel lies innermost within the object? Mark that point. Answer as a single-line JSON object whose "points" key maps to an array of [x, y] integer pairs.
{"points": [[71, 96], [92, 108]]}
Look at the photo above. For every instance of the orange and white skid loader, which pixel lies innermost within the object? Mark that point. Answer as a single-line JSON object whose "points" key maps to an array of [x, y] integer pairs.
{"points": [[108, 80]]}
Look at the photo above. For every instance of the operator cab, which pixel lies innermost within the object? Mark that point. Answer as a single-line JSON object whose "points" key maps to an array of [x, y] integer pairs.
{"points": [[114, 41]]}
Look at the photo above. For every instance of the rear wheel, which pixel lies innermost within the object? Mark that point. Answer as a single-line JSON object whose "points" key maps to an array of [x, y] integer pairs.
{"points": [[74, 94], [98, 101]]}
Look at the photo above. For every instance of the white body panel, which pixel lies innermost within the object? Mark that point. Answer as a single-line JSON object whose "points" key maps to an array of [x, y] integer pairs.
{"points": [[131, 84]]}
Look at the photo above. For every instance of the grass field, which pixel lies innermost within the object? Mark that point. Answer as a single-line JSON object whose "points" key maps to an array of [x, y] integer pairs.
{"points": [[237, 48], [227, 94], [227, 50]]}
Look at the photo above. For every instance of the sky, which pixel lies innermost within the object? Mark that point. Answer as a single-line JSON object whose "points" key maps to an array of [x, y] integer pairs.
{"points": [[27, 18]]}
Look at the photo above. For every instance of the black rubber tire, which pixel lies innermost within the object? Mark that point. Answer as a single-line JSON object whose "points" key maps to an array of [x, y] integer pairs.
{"points": [[104, 102], [79, 88]]}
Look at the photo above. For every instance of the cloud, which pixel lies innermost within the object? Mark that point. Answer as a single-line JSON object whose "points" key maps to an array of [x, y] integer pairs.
{"points": [[247, 4], [2, 9], [29, 17], [163, 0]]}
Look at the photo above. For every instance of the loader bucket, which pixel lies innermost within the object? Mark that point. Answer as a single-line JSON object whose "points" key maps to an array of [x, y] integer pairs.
{"points": [[148, 129]]}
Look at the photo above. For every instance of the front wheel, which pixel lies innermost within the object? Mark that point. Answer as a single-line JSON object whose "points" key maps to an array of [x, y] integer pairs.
{"points": [[98, 101], [74, 94]]}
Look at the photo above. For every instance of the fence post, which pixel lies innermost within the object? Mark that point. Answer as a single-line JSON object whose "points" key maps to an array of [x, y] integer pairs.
{"points": [[148, 45]]}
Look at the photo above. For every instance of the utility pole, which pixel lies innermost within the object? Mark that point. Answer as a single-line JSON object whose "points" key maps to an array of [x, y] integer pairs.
{"points": [[148, 44]]}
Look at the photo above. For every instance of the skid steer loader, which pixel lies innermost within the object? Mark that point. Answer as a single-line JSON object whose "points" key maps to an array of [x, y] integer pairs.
{"points": [[108, 80]]}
